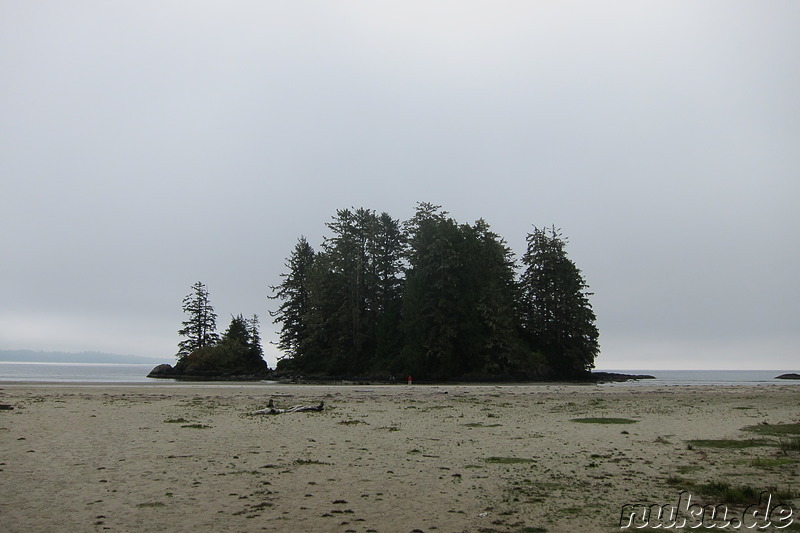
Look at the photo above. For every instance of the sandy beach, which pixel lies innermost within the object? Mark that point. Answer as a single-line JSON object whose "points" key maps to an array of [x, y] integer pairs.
{"points": [[378, 458]]}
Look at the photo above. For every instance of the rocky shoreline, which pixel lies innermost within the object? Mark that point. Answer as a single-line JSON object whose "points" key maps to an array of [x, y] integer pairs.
{"points": [[166, 371], [605, 377]]}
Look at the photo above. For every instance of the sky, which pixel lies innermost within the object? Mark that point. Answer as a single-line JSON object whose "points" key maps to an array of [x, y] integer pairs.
{"points": [[148, 145]]}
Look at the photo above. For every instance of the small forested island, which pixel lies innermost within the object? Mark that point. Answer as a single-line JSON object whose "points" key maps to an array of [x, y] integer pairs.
{"points": [[429, 297], [788, 376], [204, 355], [434, 299]]}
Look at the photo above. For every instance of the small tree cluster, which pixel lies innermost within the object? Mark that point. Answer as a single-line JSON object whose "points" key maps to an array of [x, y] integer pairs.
{"points": [[434, 298], [203, 351]]}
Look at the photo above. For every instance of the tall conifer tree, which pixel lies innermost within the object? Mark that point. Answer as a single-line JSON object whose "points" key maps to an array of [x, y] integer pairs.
{"points": [[555, 311], [254, 337], [201, 325], [431, 311], [294, 293]]}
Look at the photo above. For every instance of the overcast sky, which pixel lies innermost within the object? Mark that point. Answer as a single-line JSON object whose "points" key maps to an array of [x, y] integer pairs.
{"points": [[148, 145]]}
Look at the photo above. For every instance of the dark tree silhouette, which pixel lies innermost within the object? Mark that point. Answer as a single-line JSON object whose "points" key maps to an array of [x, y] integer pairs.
{"points": [[556, 315], [201, 325], [294, 293], [433, 298]]}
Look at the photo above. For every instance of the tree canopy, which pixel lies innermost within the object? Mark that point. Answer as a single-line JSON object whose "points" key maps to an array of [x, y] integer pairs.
{"points": [[556, 315], [434, 298]]}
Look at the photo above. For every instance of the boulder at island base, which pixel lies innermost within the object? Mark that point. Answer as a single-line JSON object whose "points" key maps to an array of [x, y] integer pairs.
{"points": [[162, 371]]}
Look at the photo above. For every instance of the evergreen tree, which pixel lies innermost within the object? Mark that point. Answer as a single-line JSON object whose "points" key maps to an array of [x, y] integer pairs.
{"points": [[387, 252], [326, 334], [459, 304], [254, 337], [243, 339], [350, 277], [431, 316], [490, 334], [555, 312], [355, 293], [235, 354], [341, 306], [294, 291], [237, 333], [200, 327]]}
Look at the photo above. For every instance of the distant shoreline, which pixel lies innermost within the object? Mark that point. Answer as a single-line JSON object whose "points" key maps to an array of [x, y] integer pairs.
{"points": [[135, 372], [33, 356]]}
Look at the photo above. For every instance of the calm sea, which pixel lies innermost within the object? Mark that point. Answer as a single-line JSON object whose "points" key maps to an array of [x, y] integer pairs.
{"points": [[137, 373], [76, 372], [707, 377]]}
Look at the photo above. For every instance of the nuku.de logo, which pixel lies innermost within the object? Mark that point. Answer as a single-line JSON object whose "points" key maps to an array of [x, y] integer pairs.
{"points": [[686, 514]]}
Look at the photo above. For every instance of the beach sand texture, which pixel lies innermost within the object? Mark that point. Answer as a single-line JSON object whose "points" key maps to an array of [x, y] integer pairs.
{"points": [[377, 459]]}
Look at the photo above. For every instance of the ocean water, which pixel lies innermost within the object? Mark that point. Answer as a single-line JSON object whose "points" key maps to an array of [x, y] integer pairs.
{"points": [[77, 372], [707, 377], [137, 373]]}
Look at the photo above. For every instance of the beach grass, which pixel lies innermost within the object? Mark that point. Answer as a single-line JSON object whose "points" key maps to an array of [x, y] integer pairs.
{"points": [[789, 444], [775, 430], [603, 420], [769, 462], [507, 460], [724, 492], [731, 443]]}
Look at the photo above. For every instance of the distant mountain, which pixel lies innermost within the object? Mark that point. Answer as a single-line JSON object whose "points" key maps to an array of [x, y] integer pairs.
{"points": [[30, 356]]}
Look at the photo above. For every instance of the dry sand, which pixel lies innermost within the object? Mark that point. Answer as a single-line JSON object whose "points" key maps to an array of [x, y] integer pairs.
{"points": [[377, 459]]}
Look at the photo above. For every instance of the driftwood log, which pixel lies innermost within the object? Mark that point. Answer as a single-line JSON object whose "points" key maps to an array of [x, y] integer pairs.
{"points": [[272, 410]]}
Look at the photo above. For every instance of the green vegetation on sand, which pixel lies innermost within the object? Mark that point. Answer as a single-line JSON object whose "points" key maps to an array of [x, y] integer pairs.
{"points": [[603, 420]]}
